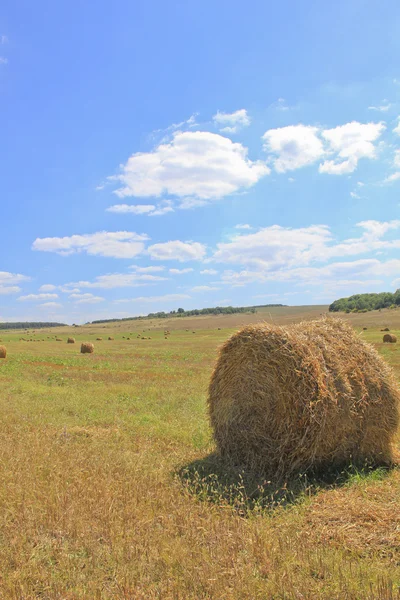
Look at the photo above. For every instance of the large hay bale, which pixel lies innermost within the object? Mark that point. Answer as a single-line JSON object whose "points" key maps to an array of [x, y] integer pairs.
{"points": [[284, 399], [71, 340], [110, 338], [389, 338], [87, 348], [3, 352]]}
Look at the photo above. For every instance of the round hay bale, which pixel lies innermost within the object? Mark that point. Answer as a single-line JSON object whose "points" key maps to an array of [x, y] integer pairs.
{"points": [[99, 339], [110, 338], [386, 329], [87, 348], [57, 340], [288, 399], [71, 341], [389, 338], [365, 328], [3, 352]]}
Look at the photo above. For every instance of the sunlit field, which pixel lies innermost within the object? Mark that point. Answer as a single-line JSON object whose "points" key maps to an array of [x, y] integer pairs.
{"points": [[110, 488]]}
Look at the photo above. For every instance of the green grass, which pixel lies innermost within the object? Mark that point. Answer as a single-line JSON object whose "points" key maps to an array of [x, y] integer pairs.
{"points": [[110, 487]]}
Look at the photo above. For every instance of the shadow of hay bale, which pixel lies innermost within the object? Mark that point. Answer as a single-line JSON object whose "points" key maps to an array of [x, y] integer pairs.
{"points": [[213, 479]]}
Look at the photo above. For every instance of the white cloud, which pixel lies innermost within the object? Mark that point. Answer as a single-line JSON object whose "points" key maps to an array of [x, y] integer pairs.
{"points": [[150, 210], [293, 146], [177, 250], [280, 104], [360, 184], [296, 146], [209, 272], [204, 288], [201, 165], [272, 246], [355, 195], [3, 60], [350, 143], [85, 298], [396, 159], [116, 244], [397, 128], [180, 271], [364, 271], [277, 252], [9, 282], [115, 280], [382, 108], [392, 177], [32, 297], [135, 209], [147, 269], [232, 122], [50, 305], [244, 226], [165, 298], [47, 287]]}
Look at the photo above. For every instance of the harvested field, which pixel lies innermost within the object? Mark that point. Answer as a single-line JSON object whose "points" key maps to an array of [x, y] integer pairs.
{"points": [[110, 486]]}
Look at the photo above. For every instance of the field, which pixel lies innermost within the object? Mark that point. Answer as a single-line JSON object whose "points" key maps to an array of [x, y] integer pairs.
{"points": [[110, 488]]}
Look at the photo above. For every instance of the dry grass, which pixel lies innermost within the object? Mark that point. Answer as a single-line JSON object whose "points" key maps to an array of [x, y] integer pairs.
{"points": [[311, 395], [91, 508]]}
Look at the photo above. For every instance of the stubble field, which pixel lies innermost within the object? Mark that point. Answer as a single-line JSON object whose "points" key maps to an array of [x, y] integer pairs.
{"points": [[110, 488]]}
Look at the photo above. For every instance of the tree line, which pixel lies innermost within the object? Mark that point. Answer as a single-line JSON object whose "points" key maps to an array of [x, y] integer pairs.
{"points": [[366, 302], [30, 325], [217, 310]]}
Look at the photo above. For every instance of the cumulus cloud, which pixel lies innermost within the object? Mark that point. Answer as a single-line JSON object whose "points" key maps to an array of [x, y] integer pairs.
{"points": [[152, 269], [381, 108], [243, 226], [204, 288], [164, 298], [114, 280], [293, 146], [350, 143], [50, 305], [200, 165], [47, 287], [177, 250], [297, 146], [272, 246], [209, 272], [180, 271], [9, 282], [116, 244], [151, 210], [33, 297], [278, 247], [85, 298], [232, 122]]}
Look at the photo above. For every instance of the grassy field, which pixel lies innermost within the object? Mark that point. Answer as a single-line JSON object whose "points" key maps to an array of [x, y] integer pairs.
{"points": [[109, 488]]}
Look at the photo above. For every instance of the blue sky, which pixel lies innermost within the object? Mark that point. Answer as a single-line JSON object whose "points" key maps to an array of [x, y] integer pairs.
{"points": [[156, 155]]}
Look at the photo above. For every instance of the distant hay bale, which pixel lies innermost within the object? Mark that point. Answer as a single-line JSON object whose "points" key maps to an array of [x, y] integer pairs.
{"points": [[3, 352], [365, 328], [289, 399], [71, 340], [386, 329], [389, 338], [110, 338], [87, 348], [99, 339], [57, 340]]}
